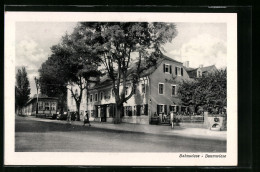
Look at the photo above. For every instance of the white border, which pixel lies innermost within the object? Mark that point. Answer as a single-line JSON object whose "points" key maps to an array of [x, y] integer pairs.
{"points": [[137, 159]]}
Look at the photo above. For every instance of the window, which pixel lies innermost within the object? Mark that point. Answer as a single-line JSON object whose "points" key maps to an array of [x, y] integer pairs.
{"points": [[173, 90], [161, 88], [47, 106], [143, 88], [172, 108], [101, 95], [179, 71], [167, 68], [128, 110], [91, 98], [53, 106], [160, 109], [96, 97], [40, 106]]}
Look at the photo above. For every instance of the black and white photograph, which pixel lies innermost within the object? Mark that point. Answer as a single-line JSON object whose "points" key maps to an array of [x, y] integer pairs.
{"points": [[120, 89]]}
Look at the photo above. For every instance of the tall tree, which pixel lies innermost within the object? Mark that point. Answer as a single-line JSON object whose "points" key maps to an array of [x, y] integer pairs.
{"points": [[51, 81], [22, 87], [71, 64], [121, 45]]}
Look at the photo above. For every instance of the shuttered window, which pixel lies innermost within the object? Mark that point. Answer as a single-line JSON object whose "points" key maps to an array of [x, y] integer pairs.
{"points": [[178, 71], [160, 88], [96, 97], [91, 98], [160, 109], [167, 68], [173, 90]]}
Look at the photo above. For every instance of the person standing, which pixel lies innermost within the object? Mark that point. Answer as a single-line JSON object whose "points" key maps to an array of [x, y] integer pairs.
{"points": [[86, 119]]}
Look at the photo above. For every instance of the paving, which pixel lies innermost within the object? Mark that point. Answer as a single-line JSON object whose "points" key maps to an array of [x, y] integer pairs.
{"points": [[146, 128]]}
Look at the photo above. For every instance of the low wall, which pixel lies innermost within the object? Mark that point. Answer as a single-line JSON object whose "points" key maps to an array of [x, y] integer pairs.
{"points": [[192, 125], [211, 120], [136, 119]]}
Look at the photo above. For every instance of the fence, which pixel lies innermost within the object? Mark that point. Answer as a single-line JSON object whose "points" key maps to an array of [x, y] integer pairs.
{"points": [[189, 118]]}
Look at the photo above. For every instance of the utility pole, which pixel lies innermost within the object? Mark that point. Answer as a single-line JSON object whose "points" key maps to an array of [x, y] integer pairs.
{"points": [[37, 88]]}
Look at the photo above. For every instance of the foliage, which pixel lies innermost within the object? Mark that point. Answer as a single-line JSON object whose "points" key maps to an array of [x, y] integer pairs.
{"points": [[22, 88], [210, 91], [70, 64], [123, 48]]}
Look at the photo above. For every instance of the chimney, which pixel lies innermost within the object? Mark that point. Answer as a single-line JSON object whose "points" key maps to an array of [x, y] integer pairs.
{"points": [[186, 63], [201, 66]]}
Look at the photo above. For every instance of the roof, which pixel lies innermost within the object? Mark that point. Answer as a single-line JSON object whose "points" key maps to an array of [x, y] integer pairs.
{"points": [[208, 68], [40, 96], [188, 69], [106, 81], [193, 71]]}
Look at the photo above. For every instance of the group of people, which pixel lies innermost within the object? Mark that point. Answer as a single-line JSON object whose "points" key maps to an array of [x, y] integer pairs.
{"points": [[85, 119]]}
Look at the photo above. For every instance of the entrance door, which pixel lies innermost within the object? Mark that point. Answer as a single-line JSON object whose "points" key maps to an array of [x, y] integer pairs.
{"points": [[103, 113]]}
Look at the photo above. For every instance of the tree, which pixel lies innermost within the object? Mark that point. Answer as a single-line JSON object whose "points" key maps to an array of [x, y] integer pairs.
{"points": [[123, 48], [209, 91], [51, 81], [22, 88], [70, 65]]}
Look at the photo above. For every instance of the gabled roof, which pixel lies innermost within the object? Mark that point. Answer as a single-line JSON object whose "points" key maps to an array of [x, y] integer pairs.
{"points": [[106, 81], [193, 71]]}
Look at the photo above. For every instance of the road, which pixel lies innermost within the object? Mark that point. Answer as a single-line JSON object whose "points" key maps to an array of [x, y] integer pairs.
{"points": [[38, 136]]}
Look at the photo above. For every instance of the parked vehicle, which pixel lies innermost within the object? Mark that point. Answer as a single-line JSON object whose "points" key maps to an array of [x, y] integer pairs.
{"points": [[62, 116]]}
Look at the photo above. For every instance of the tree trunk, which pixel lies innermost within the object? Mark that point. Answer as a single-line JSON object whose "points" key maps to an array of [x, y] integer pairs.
{"points": [[78, 111], [117, 119]]}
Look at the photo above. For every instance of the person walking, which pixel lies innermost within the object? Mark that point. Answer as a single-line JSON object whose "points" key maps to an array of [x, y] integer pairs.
{"points": [[86, 119], [69, 117]]}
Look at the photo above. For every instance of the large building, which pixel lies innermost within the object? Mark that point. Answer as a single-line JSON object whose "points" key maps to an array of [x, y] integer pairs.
{"points": [[156, 93]]}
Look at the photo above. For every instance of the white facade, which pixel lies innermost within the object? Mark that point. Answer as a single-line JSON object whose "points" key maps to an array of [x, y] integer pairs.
{"points": [[71, 103]]}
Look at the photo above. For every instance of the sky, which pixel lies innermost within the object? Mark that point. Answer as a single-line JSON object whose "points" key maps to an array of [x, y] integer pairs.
{"points": [[199, 43]]}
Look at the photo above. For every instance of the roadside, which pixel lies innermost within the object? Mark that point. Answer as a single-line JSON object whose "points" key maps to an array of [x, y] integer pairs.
{"points": [[149, 129]]}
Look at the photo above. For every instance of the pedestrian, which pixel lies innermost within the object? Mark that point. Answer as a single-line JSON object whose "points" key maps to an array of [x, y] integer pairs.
{"points": [[86, 119], [69, 117]]}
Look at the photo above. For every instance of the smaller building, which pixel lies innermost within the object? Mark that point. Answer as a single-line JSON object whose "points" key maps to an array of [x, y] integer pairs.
{"points": [[200, 71], [46, 106]]}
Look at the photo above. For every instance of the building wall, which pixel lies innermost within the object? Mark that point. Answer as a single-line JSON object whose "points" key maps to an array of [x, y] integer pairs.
{"points": [[71, 103], [30, 109], [150, 97], [159, 76]]}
